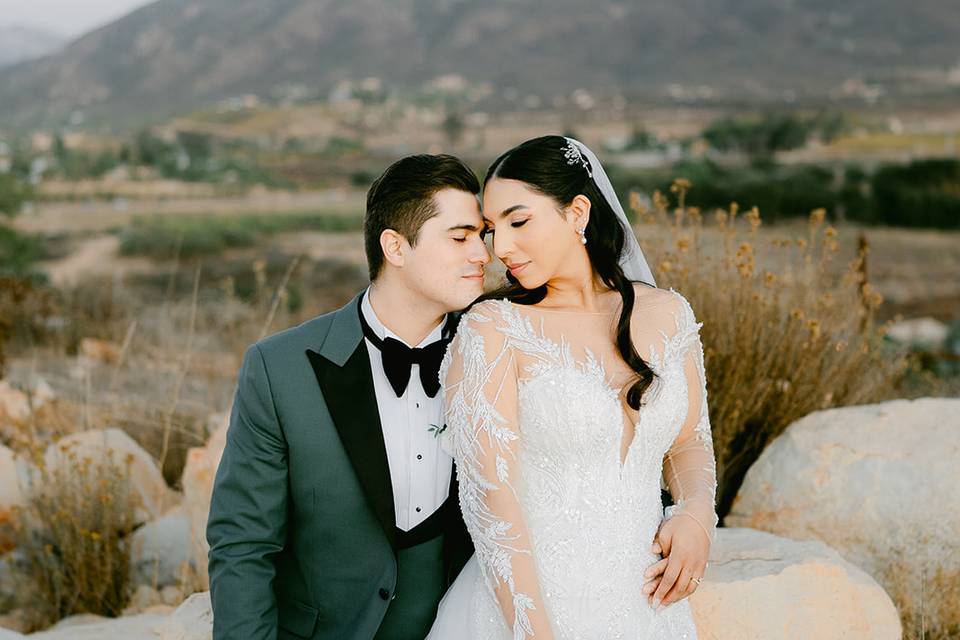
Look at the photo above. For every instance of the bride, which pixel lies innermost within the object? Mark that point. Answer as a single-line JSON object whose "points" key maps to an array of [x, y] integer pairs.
{"points": [[570, 396]]}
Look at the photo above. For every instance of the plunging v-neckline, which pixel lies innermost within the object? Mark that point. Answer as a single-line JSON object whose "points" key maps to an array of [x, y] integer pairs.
{"points": [[580, 367]]}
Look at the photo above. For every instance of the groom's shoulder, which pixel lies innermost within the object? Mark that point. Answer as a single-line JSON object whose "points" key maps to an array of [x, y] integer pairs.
{"points": [[306, 335]]}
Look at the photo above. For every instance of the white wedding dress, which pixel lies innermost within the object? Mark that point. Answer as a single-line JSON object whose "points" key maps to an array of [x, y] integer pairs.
{"points": [[560, 480]]}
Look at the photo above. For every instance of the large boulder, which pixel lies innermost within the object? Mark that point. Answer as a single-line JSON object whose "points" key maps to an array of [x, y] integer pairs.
{"points": [[14, 403], [880, 484], [146, 479], [160, 549], [197, 480], [921, 333], [193, 620], [758, 586], [89, 627]]}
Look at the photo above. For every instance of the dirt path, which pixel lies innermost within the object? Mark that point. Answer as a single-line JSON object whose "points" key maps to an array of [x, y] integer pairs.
{"points": [[93, 256], [99, 215]]}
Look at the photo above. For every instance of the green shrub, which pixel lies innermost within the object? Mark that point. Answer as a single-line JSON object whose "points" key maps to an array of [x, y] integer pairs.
{"points": [[191, 236]]}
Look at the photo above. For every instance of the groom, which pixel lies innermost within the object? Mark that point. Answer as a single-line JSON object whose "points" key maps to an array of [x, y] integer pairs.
{"points": [[334, 510]]}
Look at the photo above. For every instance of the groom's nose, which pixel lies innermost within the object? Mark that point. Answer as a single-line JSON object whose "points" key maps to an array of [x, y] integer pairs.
{"points": [[479, 255]]}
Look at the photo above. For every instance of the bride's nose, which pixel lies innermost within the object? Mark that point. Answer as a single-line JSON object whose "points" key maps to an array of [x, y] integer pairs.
{"points": [[502, 247]]}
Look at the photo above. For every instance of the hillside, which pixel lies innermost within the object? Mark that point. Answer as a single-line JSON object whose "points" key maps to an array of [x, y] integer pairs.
{"points": [[174, 55]]}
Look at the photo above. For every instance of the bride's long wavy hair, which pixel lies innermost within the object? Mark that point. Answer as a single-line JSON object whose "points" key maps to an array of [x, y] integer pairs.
{"points": [[540, 164]]}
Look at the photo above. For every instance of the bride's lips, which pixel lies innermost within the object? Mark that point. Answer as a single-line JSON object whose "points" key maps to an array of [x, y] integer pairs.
{"points": [[474, 276], [517, 267]]}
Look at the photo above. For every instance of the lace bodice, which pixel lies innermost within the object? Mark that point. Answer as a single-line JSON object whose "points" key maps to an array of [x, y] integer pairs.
{"points": [[559, 478]]}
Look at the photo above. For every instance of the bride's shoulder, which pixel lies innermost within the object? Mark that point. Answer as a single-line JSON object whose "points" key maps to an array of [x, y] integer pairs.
{"points": [[481, 317], [646, 296], [653, 302], [490, 308]]}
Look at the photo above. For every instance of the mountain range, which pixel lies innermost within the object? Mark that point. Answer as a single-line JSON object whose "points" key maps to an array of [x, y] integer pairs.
{"points": [[19, 43], [175, 55]]}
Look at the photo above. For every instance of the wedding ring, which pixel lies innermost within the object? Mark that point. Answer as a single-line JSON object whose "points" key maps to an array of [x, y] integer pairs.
{"points": [[697, 580]]}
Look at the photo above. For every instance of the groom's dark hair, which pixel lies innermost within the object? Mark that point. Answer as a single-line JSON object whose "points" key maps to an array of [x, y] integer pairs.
{"points": [[402, 199]]}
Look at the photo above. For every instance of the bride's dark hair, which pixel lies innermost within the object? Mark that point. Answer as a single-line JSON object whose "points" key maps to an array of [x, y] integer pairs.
{"points": [[540, 163]]}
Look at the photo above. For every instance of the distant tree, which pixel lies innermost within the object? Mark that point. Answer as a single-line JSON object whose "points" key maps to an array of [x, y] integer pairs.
{"points": [[453, 127], [199, 146], [923, 193], [147, 149], [642, 140], [831, 125], [759, 138], [13, 193]]}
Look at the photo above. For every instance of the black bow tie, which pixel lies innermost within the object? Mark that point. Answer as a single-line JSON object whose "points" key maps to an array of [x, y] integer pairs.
{"points": [[398, 358]]}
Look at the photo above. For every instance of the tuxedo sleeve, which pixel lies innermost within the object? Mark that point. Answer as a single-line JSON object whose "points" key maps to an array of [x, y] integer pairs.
{"points": [[248, 511]]}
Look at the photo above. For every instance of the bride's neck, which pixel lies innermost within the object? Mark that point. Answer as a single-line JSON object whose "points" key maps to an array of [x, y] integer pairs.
{"points": [[582, 291]]}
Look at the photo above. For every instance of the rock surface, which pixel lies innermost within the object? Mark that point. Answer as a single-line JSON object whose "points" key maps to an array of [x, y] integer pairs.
{"points": [[760, 586], [198, 476], [880, 484], [145, 476]]}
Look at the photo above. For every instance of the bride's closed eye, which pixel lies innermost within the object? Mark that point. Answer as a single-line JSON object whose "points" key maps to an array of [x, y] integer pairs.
{"points": [[489, 231]]}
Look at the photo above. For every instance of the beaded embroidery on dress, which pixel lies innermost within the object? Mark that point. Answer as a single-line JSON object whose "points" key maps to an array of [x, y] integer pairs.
{"points": [[561, 517]]}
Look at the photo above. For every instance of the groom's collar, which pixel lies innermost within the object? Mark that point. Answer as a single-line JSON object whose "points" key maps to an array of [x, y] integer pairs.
{"points": [[344, 334]]}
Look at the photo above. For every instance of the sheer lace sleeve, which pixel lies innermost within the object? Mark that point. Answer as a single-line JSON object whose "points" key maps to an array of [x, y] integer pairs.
{"points": [[689, 468], [480, 377]]}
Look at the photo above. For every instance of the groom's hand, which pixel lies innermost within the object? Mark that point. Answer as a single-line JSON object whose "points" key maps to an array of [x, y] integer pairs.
{"points": [[685, 548]]}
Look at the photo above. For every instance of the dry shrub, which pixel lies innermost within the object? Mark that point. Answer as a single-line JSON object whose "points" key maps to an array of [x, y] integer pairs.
{"points": [[785, 332], [24, 305], [73, 533]]}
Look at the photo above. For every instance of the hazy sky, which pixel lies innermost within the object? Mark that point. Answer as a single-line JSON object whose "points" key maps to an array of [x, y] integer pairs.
{"points": [[68, 17]]}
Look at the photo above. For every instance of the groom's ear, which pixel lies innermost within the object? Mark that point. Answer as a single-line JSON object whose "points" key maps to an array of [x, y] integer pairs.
{"points": [[392, 243]]}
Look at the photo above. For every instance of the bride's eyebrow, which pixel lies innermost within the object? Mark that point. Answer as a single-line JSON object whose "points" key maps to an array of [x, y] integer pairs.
{"points": [[505, 213], [510, 210]]}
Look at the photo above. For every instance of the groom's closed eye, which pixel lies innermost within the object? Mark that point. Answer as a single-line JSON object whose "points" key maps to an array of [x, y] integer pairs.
{"points": [[463, 231]]}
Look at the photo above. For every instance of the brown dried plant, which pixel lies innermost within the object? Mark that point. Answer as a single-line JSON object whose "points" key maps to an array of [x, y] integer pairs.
{"points": [[73, 535], [785, 331]]}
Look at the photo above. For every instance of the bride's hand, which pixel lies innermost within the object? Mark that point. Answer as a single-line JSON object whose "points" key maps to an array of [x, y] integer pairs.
{"points": [[685, 548]]}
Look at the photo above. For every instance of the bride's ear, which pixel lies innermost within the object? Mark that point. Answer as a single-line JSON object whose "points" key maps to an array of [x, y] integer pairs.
{"points": [[580, 212]]}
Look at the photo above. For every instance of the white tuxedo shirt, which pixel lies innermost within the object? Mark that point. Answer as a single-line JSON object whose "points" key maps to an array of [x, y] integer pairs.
{"points": [[420, 471]]}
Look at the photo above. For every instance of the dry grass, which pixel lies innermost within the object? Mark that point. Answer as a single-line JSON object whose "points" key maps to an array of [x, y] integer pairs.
{"points": [[73, 533], [784, 333]]}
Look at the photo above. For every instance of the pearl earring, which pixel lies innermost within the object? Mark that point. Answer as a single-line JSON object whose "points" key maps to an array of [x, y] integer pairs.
{"points": [[583, 235]]}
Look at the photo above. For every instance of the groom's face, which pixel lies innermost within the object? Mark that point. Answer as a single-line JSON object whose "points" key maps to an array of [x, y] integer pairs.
{"points": [[447, 264]]}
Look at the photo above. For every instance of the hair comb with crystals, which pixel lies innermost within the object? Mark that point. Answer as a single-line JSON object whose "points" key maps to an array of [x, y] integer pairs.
{"points": [[572, 153]]}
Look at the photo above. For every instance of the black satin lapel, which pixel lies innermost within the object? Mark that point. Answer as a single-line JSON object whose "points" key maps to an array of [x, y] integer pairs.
{"points": [[352, 402], [457, 545]]}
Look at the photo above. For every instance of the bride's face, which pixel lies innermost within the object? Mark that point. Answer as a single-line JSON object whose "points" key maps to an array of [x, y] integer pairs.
{"points": [[533, 235]]}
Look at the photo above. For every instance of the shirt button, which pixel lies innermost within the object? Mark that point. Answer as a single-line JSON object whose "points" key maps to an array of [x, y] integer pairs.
{"points": [[419, 457], [418, 405], [384, 594], [418, 509]]}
